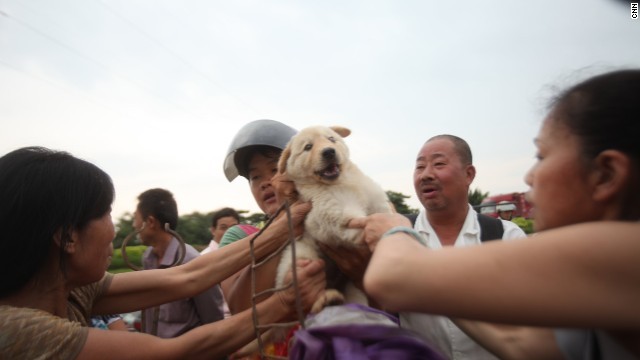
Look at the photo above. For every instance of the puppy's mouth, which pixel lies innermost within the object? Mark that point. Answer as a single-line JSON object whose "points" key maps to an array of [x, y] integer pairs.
{"points": [[331, 172]]}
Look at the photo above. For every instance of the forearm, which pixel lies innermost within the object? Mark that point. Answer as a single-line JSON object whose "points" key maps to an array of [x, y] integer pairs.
{"points": [[142, 289], [512, 342], [214, 340], [532, 281], [237, 289], [224, 337]]}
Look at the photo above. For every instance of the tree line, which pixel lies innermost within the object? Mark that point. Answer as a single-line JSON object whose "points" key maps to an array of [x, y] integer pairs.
{"points": [[194, 227]]}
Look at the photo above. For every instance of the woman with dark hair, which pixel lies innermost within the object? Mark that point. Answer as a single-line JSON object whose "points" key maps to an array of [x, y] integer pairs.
{"points": [[55, 212], [579, 276]]}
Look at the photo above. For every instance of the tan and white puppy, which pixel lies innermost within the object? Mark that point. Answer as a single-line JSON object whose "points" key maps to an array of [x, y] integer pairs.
{"points": [[317, 161]]}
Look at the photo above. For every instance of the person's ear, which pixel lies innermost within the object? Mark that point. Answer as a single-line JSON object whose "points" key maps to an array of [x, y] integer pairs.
{"points": [[611, 175], [152, 223], [471, 173], [70, 245]]}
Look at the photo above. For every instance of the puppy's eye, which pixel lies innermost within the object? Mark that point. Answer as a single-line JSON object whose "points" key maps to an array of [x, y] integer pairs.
{"points": [[332, 139], [308, 147]]}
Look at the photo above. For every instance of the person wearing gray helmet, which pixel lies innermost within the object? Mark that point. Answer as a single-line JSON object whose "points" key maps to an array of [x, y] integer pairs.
{"points": [[253, 154]]}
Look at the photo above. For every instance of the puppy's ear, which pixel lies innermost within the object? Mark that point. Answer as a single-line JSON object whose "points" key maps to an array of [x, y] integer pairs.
{"points": [[342, 131], [284, 157]]}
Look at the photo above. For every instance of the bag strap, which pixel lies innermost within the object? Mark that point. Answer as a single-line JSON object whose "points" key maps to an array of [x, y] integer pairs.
{"points": [[412, 218], [490, 228]]}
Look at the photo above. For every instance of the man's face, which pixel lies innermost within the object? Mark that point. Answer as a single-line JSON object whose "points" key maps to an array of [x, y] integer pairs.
{"points": [[440, 179], [222, 225], [506, 215]]}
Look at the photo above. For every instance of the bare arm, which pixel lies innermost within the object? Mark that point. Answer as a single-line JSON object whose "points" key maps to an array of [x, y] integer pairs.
{"points": [[213, 340], [142, 289], [577, 276], [513, 342]]}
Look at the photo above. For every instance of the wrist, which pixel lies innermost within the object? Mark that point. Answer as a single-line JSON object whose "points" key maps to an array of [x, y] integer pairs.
{"points": [[405, 230]]}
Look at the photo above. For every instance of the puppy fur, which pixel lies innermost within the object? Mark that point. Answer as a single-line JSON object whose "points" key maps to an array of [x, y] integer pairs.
{"points": [[317, 161]]}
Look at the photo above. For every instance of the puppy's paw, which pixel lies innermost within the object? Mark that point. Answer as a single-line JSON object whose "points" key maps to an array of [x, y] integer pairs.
{"points": [[330, 297]]}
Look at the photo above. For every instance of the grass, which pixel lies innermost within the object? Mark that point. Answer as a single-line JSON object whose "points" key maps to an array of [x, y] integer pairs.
{"points": [[134, 253]]}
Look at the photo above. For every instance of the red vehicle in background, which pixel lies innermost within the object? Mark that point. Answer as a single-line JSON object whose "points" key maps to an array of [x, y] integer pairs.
{"points": [[523, 207]]}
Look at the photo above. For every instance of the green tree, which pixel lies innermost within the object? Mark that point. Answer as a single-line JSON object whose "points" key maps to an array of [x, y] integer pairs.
{"points": [[397, 199], [194, 228], [124, 227], [254, 219], [476, 196]]}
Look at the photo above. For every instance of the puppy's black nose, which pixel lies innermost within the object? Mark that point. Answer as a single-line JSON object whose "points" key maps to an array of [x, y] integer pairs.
{"points": [[329, 153]]}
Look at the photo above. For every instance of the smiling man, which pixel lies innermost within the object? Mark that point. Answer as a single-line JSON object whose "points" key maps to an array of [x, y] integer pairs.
{"points": [[443, 173]]}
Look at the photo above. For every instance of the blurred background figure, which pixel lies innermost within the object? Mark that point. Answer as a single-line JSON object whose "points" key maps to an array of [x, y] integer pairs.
{"points": [[157, 207], [221, 221], [505, 210]]}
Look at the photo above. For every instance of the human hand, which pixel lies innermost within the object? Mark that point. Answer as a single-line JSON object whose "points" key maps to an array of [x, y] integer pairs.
{"points": [[353, 265], [375, 225], [299, 211], [311, 283], [285, 188]]}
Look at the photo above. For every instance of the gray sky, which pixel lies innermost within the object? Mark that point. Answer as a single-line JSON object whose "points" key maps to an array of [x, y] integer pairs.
{"points": [[153, 91]]}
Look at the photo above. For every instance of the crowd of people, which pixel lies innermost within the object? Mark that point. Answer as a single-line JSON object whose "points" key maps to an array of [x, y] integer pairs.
{"points": [[567, 292]]}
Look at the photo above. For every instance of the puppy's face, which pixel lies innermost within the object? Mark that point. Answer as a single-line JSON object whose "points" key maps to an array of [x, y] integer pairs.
{"points": [[317, 154]]}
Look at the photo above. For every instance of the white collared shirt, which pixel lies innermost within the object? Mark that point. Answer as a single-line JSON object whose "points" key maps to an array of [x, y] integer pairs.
{"points": [[439, 331]]}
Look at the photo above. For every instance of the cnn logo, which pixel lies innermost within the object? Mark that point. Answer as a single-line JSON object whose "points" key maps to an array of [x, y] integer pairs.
{"points": [[634, 11]]}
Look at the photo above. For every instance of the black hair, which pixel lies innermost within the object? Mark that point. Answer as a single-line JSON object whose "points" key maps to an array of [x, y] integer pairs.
{"points": [[460, 146], [160, 204], [44, 193], [244, 155], [603, 113], [224, 212]]}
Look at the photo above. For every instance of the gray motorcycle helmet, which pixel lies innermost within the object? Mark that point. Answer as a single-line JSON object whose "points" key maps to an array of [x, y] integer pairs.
{"points": [[258, 132]]}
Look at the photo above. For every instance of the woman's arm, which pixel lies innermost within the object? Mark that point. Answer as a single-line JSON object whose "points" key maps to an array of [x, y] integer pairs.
{"points": [[213, 340], [577, 276], [142, 289]]}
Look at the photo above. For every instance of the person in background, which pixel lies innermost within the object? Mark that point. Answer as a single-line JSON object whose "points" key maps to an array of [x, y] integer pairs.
{"points": [[58, 281], [505, 210], [571, 290], [442, 176], [221, 221], [157, 207]]}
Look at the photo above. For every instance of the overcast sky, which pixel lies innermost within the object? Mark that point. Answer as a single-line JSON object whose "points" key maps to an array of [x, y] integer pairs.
{"points": [[153, 91]]}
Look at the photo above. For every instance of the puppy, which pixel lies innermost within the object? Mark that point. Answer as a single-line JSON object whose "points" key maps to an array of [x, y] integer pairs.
{"points": [[317, 161]]}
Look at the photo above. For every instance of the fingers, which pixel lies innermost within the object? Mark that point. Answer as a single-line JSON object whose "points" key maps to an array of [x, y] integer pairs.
{"points": [[311, 281], [357, 223], [285, 188]]}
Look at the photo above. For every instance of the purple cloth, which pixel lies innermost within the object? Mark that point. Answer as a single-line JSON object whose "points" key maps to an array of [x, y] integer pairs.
{"points": [[360, 342]]}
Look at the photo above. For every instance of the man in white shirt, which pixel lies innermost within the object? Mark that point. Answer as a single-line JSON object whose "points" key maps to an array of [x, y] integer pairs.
{"points": [[221, 221], [443, 174]]}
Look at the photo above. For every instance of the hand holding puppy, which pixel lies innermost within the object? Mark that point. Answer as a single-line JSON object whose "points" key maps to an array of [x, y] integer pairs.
{"points": [[375, 225], [311, 284]]}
